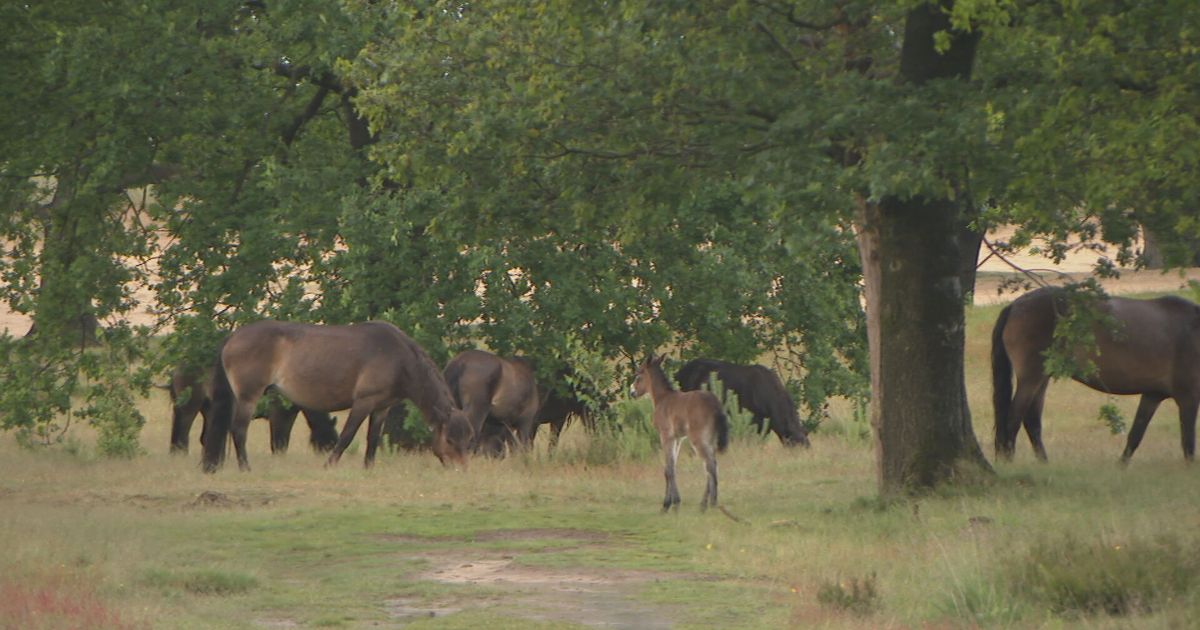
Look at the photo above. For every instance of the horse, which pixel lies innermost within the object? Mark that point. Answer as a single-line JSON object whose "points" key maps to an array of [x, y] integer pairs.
{"points": [[1153, 351], [191, 395], [557, 409], [493, 389], [366, 368], [695, 415], [758, 391]]}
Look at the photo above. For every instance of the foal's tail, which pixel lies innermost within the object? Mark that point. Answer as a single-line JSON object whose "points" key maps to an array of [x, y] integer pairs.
{"points": [[220, 417], [1001, 382], [722, 431]]}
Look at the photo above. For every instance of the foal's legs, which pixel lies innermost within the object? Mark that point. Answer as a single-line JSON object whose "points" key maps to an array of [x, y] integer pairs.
{"points": [[670, 448], [705, 451], [1146, 408]]}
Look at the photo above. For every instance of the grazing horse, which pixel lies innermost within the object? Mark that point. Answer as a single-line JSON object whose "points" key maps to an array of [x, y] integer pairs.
{"points": [[696, 415], [366, 368], [494, 390], [192, 395], [758, 391], [558, 408], [1153, 351]]}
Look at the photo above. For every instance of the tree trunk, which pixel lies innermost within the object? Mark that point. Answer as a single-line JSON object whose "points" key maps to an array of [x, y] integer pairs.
{"points": [[915, 330], [918, 260]]}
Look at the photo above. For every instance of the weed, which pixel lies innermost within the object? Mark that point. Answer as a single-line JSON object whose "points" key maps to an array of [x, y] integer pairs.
{"points": [[857, 595]]}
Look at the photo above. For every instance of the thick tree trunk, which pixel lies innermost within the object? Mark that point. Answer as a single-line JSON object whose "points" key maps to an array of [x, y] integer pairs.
{"points": [[918, 262], [915, 329]]}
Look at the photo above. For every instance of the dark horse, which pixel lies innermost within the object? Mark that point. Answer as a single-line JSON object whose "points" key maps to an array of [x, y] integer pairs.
{"points": [[366, 368], [1153, 351], [499, 392], [758, 391], [696, 415], [191, 395]]}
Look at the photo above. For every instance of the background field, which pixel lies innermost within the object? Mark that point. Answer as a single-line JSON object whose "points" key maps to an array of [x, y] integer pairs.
{"points": [[552, 541]]}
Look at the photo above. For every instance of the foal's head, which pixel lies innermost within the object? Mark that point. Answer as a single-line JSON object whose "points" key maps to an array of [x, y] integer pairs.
{"points": [[642, 383], [452, 439]]}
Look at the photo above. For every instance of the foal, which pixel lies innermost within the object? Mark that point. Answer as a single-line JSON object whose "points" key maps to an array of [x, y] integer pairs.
{"points": [[695, 415]]}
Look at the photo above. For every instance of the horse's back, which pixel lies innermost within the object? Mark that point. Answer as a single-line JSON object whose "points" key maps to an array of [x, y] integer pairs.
{"points": [[320, 367]]}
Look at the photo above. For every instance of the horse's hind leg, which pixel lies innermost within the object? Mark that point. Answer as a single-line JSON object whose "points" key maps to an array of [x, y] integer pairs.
{"points": [[671, 453], [1146, 408], [242, 414], [1022, 405], [710, 469], [374, 433], [1187, 426], [1033, 422]]}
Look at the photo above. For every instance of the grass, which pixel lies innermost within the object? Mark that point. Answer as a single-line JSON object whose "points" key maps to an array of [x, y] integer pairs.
{"points": [[575, 538]]}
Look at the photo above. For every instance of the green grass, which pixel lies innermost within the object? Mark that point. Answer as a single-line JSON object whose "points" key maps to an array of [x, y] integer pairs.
{"points": [[553, 540]]}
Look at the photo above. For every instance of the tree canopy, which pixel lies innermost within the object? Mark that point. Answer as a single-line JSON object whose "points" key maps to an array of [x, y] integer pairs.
{"points": [[555, 179]]}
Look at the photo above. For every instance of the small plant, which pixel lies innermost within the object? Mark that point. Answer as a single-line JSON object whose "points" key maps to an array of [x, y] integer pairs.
{"points": [[1112, 418], [857, 595]]}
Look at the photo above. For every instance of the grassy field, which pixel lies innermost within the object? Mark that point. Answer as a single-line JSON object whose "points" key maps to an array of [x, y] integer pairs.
{"points": [[541, 541]]}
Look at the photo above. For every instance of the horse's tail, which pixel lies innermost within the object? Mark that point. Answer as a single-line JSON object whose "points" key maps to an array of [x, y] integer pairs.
{"points": [[1001, 381], [722, 430], [220, 417], [454, 373]]}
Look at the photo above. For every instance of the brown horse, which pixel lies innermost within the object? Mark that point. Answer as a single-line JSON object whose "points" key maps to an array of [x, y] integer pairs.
{"points": [[366, 368], [695, 415], [1153, 351], [491, 389], [191, 395]]}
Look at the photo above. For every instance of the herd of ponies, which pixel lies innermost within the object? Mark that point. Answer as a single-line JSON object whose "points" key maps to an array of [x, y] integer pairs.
{"points": [[481, 403]]}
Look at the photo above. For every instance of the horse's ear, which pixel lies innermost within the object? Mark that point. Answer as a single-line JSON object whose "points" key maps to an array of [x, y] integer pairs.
{"points": [[660, 358]]}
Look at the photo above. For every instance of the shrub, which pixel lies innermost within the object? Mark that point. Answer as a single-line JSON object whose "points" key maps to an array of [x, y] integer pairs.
{"points": [[1072, 577]]}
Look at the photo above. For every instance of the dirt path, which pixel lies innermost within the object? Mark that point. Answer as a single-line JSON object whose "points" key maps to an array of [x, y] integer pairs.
{"points": [[590, 596]]}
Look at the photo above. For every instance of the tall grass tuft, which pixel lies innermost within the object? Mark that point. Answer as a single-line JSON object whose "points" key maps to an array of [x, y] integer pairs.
{"points": [[201, 582], [857, 595], [1070, 576]]}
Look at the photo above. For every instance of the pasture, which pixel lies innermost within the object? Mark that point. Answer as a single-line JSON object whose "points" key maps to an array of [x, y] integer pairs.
{"points": [[547, 540]]}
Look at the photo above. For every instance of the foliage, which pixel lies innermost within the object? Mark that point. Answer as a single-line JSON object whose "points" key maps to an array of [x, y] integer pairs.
{"points": [[1112, 418]]}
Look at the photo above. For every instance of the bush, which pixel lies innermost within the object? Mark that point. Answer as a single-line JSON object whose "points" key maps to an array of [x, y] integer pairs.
{"points": [[625, 433], [1073, 577]]}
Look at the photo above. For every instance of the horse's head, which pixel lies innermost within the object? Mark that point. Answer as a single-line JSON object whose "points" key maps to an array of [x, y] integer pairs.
{"points": [[452, 439], [642, 381]]}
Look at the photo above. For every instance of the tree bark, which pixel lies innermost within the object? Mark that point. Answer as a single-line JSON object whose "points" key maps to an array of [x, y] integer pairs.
{"points": [[918, 262]]}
